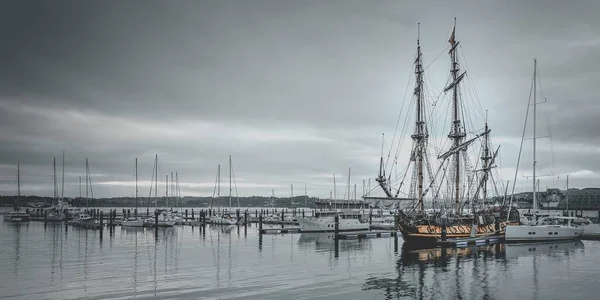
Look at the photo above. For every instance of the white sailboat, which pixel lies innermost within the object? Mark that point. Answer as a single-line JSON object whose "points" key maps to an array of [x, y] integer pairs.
{"points": [[548, 228], [55, 213], [83, 218], [134, 221], [17, 215], [165, 219], [226, 217]]}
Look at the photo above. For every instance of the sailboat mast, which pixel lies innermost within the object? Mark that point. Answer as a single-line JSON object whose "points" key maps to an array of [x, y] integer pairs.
{"points": [[486, 158], [18, 204], [420, 132], [54, 180], [456, 134], [62, 190], [167, 191], [229, 182], [219, 188], [534, 137], [136, 184], [156, 182], [87, 199], [567, 193]]}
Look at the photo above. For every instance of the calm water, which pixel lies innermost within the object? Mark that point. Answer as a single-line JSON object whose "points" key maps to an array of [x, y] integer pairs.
{"points": [[50, 262]]}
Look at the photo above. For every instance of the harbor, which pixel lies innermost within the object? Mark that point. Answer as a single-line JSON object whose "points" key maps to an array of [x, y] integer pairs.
{"points": [[185, 262]]}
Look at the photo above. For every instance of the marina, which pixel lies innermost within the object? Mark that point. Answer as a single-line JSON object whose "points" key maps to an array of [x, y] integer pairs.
{"points": [[185, 262], [217, 150]]}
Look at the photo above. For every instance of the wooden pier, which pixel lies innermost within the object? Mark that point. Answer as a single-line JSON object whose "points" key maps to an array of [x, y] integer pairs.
{"points": [[367, 234]]}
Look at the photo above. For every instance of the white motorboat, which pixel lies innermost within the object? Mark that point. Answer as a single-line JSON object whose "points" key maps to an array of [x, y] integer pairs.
{"points": [[83, 219], [551, 228], [324, 221]]}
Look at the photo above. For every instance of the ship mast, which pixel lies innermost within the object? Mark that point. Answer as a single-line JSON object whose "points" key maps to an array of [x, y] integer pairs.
{"points": [[534, 109], [420, 135], [486, 160], [18, 204], [456, 133]]}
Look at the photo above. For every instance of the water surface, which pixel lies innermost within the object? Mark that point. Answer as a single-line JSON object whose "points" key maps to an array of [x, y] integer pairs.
{"points": [[58, 262]]}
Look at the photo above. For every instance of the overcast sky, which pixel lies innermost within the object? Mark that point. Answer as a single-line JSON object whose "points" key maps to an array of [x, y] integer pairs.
{"points": [[294, 90]]}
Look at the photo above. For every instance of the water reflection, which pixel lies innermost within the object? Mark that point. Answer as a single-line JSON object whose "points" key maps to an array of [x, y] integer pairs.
{"points": [[458, 273], [322, 241]]}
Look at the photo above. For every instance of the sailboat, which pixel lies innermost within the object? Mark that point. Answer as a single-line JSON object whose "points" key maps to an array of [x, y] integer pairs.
{"points": [[134, 221], [54, 212], [225, 217], [547, 228], [83, 218], [421, 226], [17, 215], [164, 217]]}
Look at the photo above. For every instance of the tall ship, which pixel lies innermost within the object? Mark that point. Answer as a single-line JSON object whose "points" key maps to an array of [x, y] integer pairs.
{"points": [[445, 195]]}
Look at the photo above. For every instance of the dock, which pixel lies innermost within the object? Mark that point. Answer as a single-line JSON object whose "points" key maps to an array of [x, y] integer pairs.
{"points": [[367, 234], [471, 241], [279, 230]]}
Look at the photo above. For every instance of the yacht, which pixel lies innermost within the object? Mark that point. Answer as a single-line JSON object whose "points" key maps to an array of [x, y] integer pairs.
{"points": [[132, 222], [551, 228], [165, 219], [224, 219], [324, 221], [83, 219]]}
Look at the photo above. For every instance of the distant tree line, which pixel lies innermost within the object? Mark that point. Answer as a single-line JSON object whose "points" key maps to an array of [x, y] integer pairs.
{"points": [[253, 201]]}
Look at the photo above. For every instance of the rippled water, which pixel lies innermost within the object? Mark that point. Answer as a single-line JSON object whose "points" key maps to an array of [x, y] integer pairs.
{"points": [[51, 262]]}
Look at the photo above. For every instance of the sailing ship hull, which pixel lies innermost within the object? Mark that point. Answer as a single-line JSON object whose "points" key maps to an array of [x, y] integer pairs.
{"points": [[421, 232], [431, 235]]}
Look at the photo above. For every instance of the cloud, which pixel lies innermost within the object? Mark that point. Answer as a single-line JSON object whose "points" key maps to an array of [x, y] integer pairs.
{"points": [[294, 92]]}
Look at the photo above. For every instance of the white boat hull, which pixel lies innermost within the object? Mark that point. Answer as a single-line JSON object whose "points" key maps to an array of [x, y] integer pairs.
{"points": [[541, 233], [591, 231], [313, 224]]}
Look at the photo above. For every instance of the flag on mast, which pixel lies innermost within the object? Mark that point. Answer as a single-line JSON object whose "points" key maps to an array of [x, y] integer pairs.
{"points": [[451, 40]]}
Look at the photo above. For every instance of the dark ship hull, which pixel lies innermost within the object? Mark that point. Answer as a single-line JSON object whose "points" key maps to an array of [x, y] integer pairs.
{"points": [[422, 231]]}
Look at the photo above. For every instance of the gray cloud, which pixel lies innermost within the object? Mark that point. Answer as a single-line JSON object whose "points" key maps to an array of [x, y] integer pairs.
{"points": [[294, 91]]}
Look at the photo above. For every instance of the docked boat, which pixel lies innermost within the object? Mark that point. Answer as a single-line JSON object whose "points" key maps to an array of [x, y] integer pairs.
{"points": [[591, 231], [224, 219], [83, 219], [324, 221], [456, 194], [552, 228], [165, 219], [541, 226], [132, 222], [17, 215]]}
